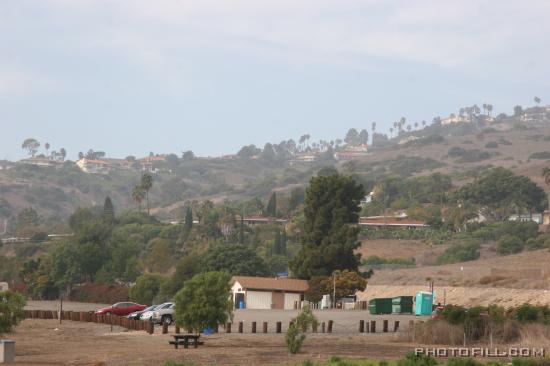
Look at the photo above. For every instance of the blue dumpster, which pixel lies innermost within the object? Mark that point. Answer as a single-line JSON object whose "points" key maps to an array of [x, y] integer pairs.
{"points": [[424, 303], [242, 305]]}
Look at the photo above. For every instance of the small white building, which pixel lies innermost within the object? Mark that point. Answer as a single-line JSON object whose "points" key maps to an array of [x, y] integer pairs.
{"points": [[93, 166], [4, 286], [268, 292]]}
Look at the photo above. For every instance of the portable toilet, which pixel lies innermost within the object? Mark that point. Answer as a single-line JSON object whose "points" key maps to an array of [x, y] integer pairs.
{"points": [[424, 302]]}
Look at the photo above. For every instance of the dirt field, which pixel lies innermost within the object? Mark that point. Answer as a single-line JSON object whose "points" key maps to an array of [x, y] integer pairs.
{"points": [[528, 270], [45, 342], [388, 248]]}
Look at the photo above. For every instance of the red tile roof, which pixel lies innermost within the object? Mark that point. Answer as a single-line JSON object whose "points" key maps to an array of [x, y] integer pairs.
{"points": [[271, 283], [390, 221]]}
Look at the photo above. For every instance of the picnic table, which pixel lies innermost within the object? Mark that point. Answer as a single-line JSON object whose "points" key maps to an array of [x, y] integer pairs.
{"points": [[186, 339]]}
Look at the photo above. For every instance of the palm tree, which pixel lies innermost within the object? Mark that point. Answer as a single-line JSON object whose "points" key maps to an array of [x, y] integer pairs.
{"points": [[47, 147], [489, 109], [138, 195], [423, 123], [391, 130], [537, 100], [146, 184], [409, 128], [415, 125]]}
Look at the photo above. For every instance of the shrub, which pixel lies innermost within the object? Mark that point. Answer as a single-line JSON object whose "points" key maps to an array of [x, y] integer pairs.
{"points": [[11, 310], [528, 313], [462, 252], [509, 244], [542, 155], [204, 301], [491, 145], [146, 288], [295, 335], [412, 359]]}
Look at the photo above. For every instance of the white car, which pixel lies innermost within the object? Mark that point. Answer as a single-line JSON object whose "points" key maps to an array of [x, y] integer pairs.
{"points": [[164, 314], [148, 313]]}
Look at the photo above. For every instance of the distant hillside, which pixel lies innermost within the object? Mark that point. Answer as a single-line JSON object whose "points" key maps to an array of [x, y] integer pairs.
{"points": [[521, 144]]}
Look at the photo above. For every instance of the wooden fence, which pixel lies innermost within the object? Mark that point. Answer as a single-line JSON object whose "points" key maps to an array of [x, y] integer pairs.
{"points": [[92, 317]]}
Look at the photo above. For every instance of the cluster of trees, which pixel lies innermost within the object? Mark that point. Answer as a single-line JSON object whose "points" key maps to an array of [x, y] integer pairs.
{"points": [[32, 145]]}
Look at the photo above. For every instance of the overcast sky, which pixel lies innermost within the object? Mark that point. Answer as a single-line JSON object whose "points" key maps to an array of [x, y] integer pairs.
{"points": [[129, 77]]}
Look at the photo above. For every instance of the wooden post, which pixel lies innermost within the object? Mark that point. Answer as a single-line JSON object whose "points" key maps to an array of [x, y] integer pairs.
{"points": [[228, 328], [279, 326], [253, 327], [373, 326], [314, 327], [367, 327], [164, 328], [323, 327], [265, 327], [396, 326], [361, 326], [385, 326], [177, 329], [329, 328], [241, 326], [151, 327]]}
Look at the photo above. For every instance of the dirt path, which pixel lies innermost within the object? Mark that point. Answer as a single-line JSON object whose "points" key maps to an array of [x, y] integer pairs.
{"points": [[45, 342]]}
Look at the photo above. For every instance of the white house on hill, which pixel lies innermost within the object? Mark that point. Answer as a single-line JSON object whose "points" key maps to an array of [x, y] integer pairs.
{"points": [[268, 292]]}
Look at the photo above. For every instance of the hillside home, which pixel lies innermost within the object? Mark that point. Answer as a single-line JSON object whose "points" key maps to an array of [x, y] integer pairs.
{"points": [[93, 166], [150, 163], [268, 292], [304, 158], [388, 221], [259, 220], [352, 153], [455, 119], [41, 161], [536, 217]]}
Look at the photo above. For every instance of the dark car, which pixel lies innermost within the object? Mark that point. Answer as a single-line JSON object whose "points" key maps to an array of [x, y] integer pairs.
{"points": [[121, 308], [136, 314]]}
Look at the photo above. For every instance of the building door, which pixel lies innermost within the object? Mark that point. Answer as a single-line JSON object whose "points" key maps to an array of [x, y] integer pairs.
{"points": [[277, 300], [239, 297]]}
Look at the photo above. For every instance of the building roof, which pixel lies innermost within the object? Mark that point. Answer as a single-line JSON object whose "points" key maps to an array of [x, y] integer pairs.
{"points": [[271, 283], [258, 218], [390, 221], [93, 161]]}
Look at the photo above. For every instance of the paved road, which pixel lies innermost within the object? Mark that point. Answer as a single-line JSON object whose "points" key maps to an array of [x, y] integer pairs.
{"points": [[345, 321]]}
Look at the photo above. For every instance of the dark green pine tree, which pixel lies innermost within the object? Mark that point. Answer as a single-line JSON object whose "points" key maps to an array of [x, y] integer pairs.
{"points": [[108, 210], [271, 209], [283, 243], [277, 243], [329, 239], [241, 230], [188, 219]]}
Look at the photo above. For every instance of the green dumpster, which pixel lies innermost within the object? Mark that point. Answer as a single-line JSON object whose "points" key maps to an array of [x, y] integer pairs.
{"points": [[380, 306], [402, 305]]}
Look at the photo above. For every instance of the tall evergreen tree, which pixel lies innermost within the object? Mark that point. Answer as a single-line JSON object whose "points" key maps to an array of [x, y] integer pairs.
{"points": [[108, 210], [283, 242], [271, 208], [329, 238], [188, 219], [146, 184], [277, 243]]}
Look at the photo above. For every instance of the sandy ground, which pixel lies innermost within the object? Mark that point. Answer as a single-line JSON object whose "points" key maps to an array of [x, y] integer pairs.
{"points": [[466, 296], [45, 342]]}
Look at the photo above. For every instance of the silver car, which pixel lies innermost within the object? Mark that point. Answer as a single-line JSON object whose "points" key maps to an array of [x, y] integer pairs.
{"points": [[164, 314], [148, 313]]}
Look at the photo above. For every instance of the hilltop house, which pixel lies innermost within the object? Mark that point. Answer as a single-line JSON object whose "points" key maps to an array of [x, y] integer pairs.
{"points": [[94, 166], [392, 221], [150, 163], [455, 119], [267, 292], [304, 158], [352, 153], [41, 161], [535, 217]]}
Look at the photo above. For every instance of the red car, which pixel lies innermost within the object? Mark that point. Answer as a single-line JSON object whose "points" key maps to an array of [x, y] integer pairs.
{"points": [[121, 308]]}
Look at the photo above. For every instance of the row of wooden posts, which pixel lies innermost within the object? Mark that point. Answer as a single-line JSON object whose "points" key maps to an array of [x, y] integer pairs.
{"points": [[113, 320]]}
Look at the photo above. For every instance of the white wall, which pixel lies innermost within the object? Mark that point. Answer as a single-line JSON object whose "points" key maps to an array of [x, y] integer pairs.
{"points": [[4, 286], [289, 300], [258, 299]]}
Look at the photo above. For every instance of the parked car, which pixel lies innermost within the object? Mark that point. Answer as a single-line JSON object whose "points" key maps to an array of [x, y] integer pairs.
{"points": [[436, 313], [121, 308], [164, 314], [136, 315], [148, 315]]}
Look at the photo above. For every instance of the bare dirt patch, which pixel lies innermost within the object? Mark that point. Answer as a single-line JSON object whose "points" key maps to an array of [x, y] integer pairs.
{"points": [[45, 342]]}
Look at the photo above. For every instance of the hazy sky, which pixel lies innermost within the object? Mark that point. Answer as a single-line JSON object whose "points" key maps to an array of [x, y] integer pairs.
{"points": [[129, 77]]}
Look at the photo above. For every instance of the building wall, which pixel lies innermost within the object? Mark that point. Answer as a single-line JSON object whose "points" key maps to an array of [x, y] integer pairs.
{"points": [[235, 289], [4, 286], [289, 300], [258, 300]]}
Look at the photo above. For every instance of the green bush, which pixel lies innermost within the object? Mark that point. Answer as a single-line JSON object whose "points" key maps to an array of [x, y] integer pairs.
{"points": [[296, 334], [413, 359], [11, 310], [509, 244], [528, 313], [542, 155], [461, 252], [146, 289], [491, 145]]}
